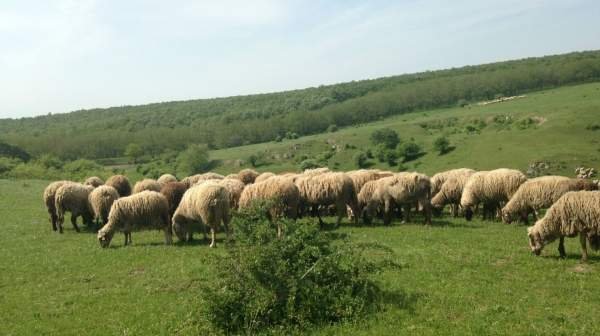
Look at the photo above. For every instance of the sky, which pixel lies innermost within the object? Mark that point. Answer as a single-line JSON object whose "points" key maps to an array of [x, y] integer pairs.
{"points": [[63, 55]]}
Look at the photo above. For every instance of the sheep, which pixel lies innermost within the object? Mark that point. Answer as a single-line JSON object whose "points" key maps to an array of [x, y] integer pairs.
{"points": [[235, 188], [232, 176], [576, 212], [438, 179], [166, 178], [540, 193], [173, 192], [316, 171], [451, 192], [491, 188], [205, 204], [121, 183], [325, 189], [146, 184], [263, 177], [73, 197], [49, 200], [362, 176], [282, 191], [248, 176], [94, 181], [194, 179], [100, 200], [401, 189], [147, 209], [364, 197]]}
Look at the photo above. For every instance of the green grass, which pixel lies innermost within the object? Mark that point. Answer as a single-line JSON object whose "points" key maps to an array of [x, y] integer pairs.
{"points": [[458, 278], [560, 137]]}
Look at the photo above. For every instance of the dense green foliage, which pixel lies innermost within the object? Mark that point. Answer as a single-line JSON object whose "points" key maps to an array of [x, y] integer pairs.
{"points": [[235, 121], [308, 277]]}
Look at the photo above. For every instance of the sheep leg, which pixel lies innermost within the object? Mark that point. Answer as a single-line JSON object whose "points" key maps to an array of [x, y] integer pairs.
{"points": [[321, 223], [53, 219], [74, 222], [407, 213], [168, 236], [340, 209], [387, 213], [583, 241], [561, 247], [126, 240], [212, 237], [454, 210]]}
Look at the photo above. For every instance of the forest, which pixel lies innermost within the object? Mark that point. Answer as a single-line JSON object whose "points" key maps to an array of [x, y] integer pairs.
{"points": [[229, 122]]}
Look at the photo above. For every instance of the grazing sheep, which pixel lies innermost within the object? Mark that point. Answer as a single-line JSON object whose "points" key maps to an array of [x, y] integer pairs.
{"points": [[144, 210], [362, 176], [438, 179], [364, 197], [405, 189], [282, 191], [576, 212], [49, 200], [492, 188], [263, 177], [248, 176], [235, 188], [173, 192], [326, 189], [316, 171], [101, 199], [232, 176], [451, 192], [73, 197], [195, 179], [121, 183], [166, 178], [205, 204], [94, 181], [146, 184], [540, 193]]}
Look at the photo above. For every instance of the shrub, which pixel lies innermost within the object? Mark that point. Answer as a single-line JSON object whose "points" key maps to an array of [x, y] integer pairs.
{"points": [[442, 145], [134, 152], [410, 151], [303, 279], [193, 160], [385, 136], [360, 159], [49, 161], [309, 164], [593, 127], [8, 164], [332, 128]]}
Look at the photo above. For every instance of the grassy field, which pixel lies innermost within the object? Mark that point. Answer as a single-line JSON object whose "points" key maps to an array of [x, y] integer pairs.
{"points": [[459, 278], [550, 126]]}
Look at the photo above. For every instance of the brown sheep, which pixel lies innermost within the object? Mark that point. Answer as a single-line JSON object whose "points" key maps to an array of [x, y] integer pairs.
{"points": [[248, 176], [94, 181], [173, 192], [146, 184], [121, 183]]}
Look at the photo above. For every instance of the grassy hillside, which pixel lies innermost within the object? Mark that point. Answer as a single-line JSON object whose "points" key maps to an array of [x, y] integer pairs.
{"points": [[458, 278], [554, 126]]}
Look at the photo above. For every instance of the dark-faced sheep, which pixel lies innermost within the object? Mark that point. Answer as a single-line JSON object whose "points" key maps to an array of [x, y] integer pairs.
{"points": [[73, 198], [121, 183], [206, 204], [94, 181], [492, 189], [575, 213], [49, 200], [539, 193], [144, 210], [248, 176]]}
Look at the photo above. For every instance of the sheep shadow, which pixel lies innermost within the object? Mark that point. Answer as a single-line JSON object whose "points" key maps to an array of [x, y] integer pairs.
{"points": [[592, 258], [447, 223]]}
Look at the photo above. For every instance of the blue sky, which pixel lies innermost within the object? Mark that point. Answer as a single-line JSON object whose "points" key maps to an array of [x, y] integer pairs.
{"points": [[63, 55]]}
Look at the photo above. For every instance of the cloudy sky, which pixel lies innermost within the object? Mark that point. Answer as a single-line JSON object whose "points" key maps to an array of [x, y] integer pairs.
{"points": [[63, 55]]}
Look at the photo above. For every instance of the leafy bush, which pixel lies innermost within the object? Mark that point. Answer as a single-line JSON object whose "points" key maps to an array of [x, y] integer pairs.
{"points": [[309, 164], [50, 161], [193, 160], [385, 136], [304, 279], [442, 145], [14, 152], [332, 128], [593, 127], [410, 151], [134, 152], [360, 159], [8, 164]]}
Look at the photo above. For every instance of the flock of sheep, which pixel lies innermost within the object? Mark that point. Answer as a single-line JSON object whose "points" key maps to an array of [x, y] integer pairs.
{"points": [[207, 200]]}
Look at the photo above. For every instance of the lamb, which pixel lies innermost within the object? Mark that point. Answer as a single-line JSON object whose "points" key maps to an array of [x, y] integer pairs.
{"points": [[49, 200], [491, 188], [204, 204], [576, 212], [263, 177], [451, 192], [166, 178], [438, 179], [121, 183], [94, 181], [325, 189], [73, 197], [194, 179], [146, 184], [401, 189], [248, 176], [144, 210], [173, 192], [282, 191], [540, 193], [100, 200]]}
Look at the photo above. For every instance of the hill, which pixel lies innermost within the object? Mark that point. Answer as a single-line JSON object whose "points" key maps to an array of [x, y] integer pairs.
{"points": [[235, 121]]}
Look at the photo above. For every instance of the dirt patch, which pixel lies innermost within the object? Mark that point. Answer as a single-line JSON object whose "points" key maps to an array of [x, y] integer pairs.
{"points": [[539, 120], [582, 268]]}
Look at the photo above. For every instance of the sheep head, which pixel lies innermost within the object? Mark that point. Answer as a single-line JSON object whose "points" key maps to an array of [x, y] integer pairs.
{"points": [[104, 237], [536, 243]]}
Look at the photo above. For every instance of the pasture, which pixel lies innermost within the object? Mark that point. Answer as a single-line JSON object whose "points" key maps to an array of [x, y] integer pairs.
{"points": [[458, 278]]}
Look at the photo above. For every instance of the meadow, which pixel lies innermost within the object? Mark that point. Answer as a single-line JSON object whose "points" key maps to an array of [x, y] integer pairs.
{"points": [[458, 278]]}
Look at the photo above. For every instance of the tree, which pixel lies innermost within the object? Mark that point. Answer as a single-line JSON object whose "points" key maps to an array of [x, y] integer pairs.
{"points": [[410, 151], [385, 136], [193, 160], [134, 151], [442, 145], [360, 159]]}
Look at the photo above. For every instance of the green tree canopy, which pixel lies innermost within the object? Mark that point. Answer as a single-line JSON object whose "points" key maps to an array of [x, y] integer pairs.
{"points": [[385, 136], [193, 160]]}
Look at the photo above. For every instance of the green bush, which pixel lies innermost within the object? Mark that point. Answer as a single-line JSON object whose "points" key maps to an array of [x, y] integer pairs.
{"points": [[309, 164], [385, 136], [410, 151], [360, 159], [193, 160], [442, 145], [332, 128], [309, 277]]}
